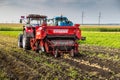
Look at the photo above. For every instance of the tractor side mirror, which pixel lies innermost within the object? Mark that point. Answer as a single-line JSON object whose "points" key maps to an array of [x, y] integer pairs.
{"points": [[22, 17], [20, 20]]}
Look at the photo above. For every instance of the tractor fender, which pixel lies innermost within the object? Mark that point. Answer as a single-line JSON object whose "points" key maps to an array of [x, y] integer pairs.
{"points": [[28, 33]]}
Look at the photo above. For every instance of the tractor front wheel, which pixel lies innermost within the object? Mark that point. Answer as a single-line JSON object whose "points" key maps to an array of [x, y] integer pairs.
{"points": [[20, 37], [26, 43]]}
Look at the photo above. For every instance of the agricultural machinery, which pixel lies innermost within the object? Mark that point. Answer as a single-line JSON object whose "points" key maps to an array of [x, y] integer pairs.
{"points": [[56, 39], [60, 21]]}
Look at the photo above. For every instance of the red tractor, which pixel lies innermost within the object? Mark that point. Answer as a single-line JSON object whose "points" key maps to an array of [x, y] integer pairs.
{"points": [[53, 39]]}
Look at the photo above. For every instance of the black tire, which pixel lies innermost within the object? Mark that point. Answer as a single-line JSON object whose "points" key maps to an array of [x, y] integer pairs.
{"points": [[26, 42], [20, 37]]}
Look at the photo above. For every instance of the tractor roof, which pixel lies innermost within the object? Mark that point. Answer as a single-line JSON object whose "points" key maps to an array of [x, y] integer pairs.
{"points": [[36, 16]]}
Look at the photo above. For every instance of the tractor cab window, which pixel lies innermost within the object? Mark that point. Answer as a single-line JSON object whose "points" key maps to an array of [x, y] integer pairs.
{"points": [[36, 21], [60, 20]]}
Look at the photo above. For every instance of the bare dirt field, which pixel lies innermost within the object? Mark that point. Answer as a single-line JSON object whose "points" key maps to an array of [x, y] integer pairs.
{"points": [[93, 63]]}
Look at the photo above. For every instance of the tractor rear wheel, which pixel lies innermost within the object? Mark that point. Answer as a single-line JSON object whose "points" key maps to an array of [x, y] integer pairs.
{"points": [[20, 37], [26, 43]]}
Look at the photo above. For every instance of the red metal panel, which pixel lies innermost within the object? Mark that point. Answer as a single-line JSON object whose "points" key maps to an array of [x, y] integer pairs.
{"points": [[29, 29], [66, 30], [58, 30], [40, 33]]}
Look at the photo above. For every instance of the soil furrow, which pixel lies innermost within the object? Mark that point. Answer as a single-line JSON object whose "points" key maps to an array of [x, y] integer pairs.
{"points": [[17, 70], [28, 65]]}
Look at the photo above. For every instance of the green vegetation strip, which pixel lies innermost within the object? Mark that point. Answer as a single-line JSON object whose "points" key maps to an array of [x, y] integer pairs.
{"points": [[101, 29], [10, 29], [10, 33], [105, 39]]}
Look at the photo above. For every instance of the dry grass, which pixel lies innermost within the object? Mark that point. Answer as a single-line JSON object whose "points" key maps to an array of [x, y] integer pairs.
{"points": [[100, 28], [10, 25]]}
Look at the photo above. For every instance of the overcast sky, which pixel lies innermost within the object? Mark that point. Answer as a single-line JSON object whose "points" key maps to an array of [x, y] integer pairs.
{"points": [[11, 10]]}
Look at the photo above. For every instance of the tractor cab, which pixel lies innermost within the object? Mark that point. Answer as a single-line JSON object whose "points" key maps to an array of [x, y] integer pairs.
{"points": [[34, 20], [32, 23], [61, 21]]}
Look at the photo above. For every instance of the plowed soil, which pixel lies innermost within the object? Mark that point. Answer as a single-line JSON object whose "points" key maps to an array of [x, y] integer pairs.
{"points": [[93, 63]]}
